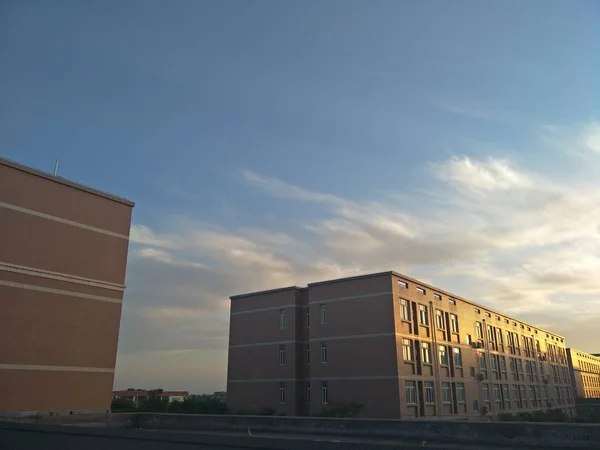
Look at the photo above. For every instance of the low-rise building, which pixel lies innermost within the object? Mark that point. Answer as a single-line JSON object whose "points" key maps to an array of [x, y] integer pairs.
{"points": [[141, 395], [388, 346]]}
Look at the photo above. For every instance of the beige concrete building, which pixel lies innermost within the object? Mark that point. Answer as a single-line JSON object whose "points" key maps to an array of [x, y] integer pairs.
{"points": [[585, 373], [63, 252], [401, 348]]}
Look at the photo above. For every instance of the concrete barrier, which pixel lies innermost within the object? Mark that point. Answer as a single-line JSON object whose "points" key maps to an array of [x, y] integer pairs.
{"points": [[510, 434]]}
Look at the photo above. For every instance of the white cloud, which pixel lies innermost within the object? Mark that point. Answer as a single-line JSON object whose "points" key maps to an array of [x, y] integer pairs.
{"points": [[591, 137], [487, 230]]}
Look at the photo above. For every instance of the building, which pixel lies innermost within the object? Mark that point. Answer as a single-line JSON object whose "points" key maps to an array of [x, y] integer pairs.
{"points": [[141, 395], [63, 253], [585, 373], [394, 346]]}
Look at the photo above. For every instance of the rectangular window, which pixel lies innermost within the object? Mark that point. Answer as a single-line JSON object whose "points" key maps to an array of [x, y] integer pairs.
{"points": [[496, 393], [405, 309], [423, 315], [520, 366], [452, 301], [486, 393], [308, 354], [323, 352], [411, 392], [407, 350], [515, 392], [477, 311], [478, 330], [493, 362], [281, 394], [308, 394], [446, 393], [454, 323], [490, 331], [426, 352], [499, 336], [324, 394], [402, 284], [482, 362], [420, 291], [437, 296], [282, 319], [429, 393], [439, 319], [457, 357], [443, 354], [502, 363], [487, 314], [460, 393], [530, 392], [323, 314], [307, 318], [512, 365], [282, 355]]}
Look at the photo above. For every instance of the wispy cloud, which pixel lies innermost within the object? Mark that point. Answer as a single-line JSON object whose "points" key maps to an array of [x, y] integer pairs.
{"points": [[479, 113]]}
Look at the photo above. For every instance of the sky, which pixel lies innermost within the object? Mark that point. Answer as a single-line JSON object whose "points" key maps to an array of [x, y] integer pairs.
{"points": [[273, 143]]}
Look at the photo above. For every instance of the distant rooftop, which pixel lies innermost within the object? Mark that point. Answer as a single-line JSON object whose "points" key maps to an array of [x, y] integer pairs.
{"points": [[61, 180]]}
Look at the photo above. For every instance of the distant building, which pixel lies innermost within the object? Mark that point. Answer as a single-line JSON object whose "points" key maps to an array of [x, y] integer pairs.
{"points": [[391, 347], [221, 396], [141, 395], [585, 373], [63, 253]]}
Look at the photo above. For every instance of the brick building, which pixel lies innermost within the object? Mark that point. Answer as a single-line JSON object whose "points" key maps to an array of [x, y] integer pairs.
{"points": [[63, 253], [398, 347]]}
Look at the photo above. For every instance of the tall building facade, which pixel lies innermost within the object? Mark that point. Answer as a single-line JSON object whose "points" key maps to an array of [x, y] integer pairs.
{"points": [[585, 373], [391, 346], [63, 253]]}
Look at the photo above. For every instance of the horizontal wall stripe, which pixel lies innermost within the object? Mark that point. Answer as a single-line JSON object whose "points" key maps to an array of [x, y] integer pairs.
{"points": [[358, 378], [266, 380], [261, 344], [41, 273], [353, 297], [55, 368], [271, 308], [352, 336], [32, 287], [61, 220]]}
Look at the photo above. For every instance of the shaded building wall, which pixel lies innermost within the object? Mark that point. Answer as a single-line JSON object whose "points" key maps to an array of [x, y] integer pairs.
{"points": [[63, 254], [585, 373]]}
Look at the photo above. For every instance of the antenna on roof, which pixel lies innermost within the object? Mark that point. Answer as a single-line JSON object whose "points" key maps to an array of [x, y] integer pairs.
{"points": [[56, 167]]}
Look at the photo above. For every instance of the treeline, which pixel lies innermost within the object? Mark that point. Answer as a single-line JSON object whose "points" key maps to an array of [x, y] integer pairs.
{"points": [[194, 404]]}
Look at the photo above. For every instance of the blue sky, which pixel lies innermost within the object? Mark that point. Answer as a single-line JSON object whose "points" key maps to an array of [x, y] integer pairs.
{"points": [[272, 142]]}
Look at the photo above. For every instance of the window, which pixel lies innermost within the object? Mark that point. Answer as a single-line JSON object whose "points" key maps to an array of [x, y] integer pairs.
{"points": [[490, 331], [446, 393], [439, 319], [478, 330], [429, 393], [477, 311], [421, 291], [469, 339], [505, 393], [405, 309], [443, 353], [308, 354], [487, 314], [323, 352], [460, 393], [530, 393], [499, 336], [308, 393], [502, 363], [512, 365], [496, 393], [437, 296], [452, 301], [493, 362], [282, 319], [407, 350], [454, 323], [324, 394], [411, 392], [457, 357], [497, 317], [307, 318], [282, 355], [426, 352], [520, 366], [506, 321], [323, 314], [476, 405], [423, 316], [515, 392], [482, 362], [486, 393], [402, 284], [281, 393]]}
